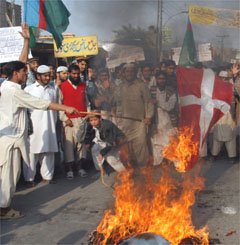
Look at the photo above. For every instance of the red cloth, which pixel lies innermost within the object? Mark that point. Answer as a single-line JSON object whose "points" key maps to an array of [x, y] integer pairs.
{"points": [[74, 97], [203, 98]]}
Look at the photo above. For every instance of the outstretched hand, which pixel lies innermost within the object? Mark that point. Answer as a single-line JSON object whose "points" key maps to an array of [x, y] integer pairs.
{"points": [[25, 31], [72, 110]]}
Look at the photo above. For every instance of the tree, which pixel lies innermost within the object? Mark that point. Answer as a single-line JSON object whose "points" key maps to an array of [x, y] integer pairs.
{"points": [[128, 35]]}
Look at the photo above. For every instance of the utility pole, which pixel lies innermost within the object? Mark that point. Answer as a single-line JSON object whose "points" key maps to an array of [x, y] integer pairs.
{"points": [[222, 45], [13, 12], [159, 30]]}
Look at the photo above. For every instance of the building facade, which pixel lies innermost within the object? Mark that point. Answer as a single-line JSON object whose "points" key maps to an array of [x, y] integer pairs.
{"points": [[13, 11]]}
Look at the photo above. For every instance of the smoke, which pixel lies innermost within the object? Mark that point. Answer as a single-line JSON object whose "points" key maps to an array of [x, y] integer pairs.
{"points": [[102, 17]]}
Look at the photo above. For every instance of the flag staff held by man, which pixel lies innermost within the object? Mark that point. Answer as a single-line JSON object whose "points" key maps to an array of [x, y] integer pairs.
{"points": [[13, 129], [201, 95]]}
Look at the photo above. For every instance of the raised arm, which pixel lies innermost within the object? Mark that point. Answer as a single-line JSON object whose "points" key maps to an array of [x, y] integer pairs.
{"points": [[26, 36]]}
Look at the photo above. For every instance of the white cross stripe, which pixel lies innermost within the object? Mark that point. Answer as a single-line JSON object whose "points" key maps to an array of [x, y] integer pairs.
{"points": [[206, 102]]}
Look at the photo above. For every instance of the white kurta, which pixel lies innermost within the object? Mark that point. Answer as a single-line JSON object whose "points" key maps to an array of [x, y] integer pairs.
{"points": [[13, 104], [112, 157], [164, 126], [44, 137], [13, 135], [224, 131]]}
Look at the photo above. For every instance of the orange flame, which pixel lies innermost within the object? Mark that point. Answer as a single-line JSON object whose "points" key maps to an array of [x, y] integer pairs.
{"points": [[182, 150], [153, 201]]}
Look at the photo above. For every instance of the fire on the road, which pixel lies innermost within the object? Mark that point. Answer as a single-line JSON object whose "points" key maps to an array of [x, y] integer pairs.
{"points": [[155, 204]]}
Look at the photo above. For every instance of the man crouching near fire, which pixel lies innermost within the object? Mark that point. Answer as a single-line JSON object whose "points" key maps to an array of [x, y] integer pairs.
{"points": [[105, 140]]}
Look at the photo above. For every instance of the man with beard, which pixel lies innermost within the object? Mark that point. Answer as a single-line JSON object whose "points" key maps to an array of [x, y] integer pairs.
{"points": [[166, 100], [43, 140], [134, 107], [32, 64], [171, 83], [13, 131], [73, 93]]}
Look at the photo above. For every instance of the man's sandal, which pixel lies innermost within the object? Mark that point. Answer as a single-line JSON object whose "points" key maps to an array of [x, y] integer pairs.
{"points": [[82, 173], [10, 214]]}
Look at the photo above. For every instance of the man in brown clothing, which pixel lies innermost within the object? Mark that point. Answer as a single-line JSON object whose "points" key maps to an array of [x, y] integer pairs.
{"points": [[133, 105]]}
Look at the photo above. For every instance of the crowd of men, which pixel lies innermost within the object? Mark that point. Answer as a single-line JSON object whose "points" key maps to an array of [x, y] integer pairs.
{"points": [[120, 117]]}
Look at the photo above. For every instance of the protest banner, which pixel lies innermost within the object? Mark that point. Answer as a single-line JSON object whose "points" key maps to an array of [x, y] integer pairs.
{"points": [[176, 54], [214, 16], [118, 54], [204, 52], [11, 43], [77, 46]]}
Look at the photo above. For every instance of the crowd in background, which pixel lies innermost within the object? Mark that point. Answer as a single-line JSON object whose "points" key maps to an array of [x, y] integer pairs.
{"points": [[122, 116]]}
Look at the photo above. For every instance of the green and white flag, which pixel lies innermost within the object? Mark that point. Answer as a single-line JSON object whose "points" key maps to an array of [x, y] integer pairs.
{"points": [[188, 55]]}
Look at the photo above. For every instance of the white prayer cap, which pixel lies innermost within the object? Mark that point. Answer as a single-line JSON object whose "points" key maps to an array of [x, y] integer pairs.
{"points": [[223, 74], [62, 68], [43, 69], [129, 65]]}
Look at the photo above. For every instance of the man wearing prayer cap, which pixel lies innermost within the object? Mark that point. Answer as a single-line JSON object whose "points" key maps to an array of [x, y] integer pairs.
{"points": [[43, 140], [13, 139], [62, 68], [43, 69], [132, 100], [33, 64], [62, 74]]}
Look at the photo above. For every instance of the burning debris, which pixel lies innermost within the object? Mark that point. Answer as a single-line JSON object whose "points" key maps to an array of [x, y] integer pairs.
{"points": [[149, 207], [182, 149]]}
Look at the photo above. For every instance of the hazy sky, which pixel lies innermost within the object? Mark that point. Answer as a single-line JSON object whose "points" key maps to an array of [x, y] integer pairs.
{"points": [[102, 17]]}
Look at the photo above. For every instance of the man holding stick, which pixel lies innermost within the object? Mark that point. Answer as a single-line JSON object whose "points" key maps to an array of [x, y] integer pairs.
{"points": [[13, 131]]}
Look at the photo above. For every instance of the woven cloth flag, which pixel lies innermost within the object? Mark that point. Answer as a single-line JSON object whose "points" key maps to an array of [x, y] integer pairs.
{"points": [[188, 55], [49, 15], [204, 98]]}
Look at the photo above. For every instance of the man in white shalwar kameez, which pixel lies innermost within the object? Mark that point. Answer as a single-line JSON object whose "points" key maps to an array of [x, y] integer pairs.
{"points": [[43, 140], [224, 131], [165, 102], [13, 131]]}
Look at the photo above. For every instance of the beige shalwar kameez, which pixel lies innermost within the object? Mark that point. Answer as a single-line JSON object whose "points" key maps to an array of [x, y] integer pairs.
{"points": [[133, 100]]}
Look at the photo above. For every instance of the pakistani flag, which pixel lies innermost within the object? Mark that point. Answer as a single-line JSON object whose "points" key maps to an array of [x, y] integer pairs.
{"points": [[49, 15], [188, 55]]}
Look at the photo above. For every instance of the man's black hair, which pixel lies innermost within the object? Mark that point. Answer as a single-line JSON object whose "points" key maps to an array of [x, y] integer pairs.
{"points": [[12, 66], [146, 64], [103, 70], [159, 73], [170, 63], [73, 67]]}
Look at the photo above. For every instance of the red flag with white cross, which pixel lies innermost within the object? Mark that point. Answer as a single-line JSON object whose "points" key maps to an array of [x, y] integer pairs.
{"points": [[204, 98]]}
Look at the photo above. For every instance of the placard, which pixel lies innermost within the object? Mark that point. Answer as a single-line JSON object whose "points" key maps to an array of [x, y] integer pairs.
{"points": [[77, 46]]}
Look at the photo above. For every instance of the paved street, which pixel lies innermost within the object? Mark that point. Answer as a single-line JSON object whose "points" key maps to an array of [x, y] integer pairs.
{"points": [[65, 213]]}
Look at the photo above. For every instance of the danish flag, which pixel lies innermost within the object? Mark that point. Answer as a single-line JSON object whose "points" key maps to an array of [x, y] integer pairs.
{"points": [[204, 98]]}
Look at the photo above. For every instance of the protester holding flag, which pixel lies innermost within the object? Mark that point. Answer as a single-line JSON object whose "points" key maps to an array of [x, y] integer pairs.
{"points": [[166, 100], [224, 131], [32, 63], [204, 98]]}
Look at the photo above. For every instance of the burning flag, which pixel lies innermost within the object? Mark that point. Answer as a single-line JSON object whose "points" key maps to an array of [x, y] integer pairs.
{"points": [[204, 98]]}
